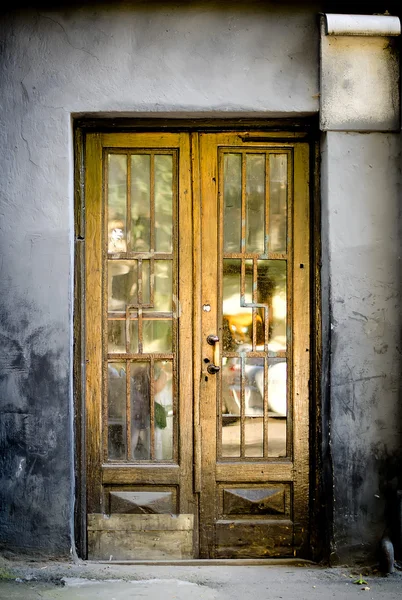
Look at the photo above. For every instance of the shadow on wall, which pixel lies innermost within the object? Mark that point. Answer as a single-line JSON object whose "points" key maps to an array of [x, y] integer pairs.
{"points": [[35, 438]]}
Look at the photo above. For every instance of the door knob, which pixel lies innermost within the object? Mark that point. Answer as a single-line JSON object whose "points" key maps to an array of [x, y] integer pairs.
{"points": [[212, 369]]}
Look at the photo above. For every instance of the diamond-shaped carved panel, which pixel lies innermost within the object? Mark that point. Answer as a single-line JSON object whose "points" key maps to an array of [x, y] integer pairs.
{"points": [[254, 501], [130, 502]]}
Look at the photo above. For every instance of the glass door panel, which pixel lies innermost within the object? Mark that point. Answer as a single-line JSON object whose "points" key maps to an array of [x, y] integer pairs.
{"points": [[254, 304], [142, 281]]}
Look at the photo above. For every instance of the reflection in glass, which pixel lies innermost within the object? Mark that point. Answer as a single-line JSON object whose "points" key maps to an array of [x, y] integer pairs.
{"points": [[122, 284], [255, 202], [232, 202], [117, 202], [237, 320], [277, 407], [278, 188], [248, 281], [230, 436], [157, 335], [163, 202], [140, 202], [277, 387], [116, 336], [271, 286], [254, 437], [163, 410], [231, 386], [117, 440], [133, 330], [163, 285], [254, 387], [140, 418]]}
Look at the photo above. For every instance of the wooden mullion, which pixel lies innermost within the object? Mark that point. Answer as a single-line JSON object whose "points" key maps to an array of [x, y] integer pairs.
{"points": [[253, 255], [152, 408], [174, 315], [254, 301], [140, 255], [290, 301], [93, 309], [242, 407], [140, 335], [299, 364], [197, 313], [128, 411], [265, 411], [137, 357], [104, 335], [147, 314]]}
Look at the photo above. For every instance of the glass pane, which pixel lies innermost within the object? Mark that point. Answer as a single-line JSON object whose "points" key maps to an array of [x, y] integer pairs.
{"points": [[230, 436], [163, 202], [133, 330], [157, 335], [140, 202], [163, 286], [122, 284], [146, 282], [117, 202], [117, 430], [163, 410], [248, 281], [271, 285], [255, 202], [277, 407], [232, 202], [116, 335], [237, 320], [231, 381], [254, 436], [278, 191], [140, 402], [254, 387]]}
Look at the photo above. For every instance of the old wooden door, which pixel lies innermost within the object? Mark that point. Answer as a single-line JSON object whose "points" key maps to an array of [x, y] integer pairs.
{"points": [[197, 345]]}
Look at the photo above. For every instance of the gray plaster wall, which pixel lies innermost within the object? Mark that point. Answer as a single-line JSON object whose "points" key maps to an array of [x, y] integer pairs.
{"points": [[193, 58], [361, 241]]}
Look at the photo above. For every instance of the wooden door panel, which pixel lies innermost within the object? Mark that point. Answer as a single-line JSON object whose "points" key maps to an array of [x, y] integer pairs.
{"points": [[139, 317], [255, 281]]}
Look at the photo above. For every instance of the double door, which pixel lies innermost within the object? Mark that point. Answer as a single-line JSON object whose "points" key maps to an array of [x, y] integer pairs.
{"points": [[197, 345]]}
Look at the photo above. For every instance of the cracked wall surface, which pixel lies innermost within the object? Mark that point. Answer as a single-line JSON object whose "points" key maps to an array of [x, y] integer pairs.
{"points": [[361, 255]]}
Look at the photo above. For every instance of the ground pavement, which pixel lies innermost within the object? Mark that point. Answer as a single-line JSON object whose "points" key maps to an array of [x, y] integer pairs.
{"points": [[286, 581]]}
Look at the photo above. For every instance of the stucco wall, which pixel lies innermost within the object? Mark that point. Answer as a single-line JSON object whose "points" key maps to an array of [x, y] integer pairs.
{"points": [[362, 267], [190, 58]]}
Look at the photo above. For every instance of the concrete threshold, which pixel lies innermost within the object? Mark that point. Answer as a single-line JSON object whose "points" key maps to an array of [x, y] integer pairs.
{"points": [[206, 562]]}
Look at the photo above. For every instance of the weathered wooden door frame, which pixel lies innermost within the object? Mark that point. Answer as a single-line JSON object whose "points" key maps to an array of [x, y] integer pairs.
{"points": [[79, 349]]}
